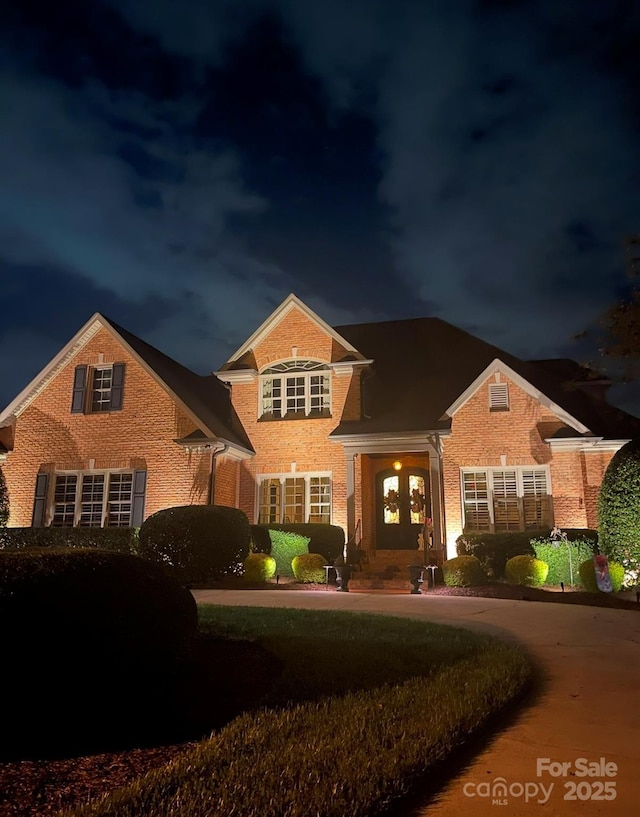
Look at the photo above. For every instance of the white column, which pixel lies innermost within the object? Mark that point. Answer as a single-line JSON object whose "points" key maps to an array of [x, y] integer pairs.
{"points": [[351, 493]]}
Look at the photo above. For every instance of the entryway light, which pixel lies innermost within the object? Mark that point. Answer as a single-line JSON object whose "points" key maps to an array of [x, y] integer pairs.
{"points": [[397, 465]]}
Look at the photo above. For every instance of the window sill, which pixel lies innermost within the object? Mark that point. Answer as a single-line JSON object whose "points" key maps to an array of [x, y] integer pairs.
{"points": [[294, 415]]}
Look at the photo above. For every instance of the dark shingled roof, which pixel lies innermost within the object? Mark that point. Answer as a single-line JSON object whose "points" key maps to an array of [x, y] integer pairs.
{"points": [[207, 397], [421, 366]]}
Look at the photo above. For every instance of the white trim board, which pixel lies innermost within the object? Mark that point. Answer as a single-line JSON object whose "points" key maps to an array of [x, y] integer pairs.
{"points": [[498, 366], [290, 302]]}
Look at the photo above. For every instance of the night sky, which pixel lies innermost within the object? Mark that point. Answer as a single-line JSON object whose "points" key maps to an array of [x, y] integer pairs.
{"points": [[183, 166]]}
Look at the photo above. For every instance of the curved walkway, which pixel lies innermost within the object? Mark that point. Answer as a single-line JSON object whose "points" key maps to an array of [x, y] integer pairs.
{"points": [[588, 709]]}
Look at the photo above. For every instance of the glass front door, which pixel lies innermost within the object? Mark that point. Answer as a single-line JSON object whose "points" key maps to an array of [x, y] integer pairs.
{"points": [[403, 504]]}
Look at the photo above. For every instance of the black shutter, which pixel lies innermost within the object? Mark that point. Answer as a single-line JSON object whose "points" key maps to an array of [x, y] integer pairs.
{"points": [[137, 503], [117, 386], [40, 501], [79, 389]]}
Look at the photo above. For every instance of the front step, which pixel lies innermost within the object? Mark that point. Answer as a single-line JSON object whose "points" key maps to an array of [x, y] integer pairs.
{"points": [[378, 581]]}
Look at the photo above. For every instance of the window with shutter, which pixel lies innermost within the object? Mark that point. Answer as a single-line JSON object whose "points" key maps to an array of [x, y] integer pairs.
{"points": [[499, 500], [95, 500], [506, 505], [498, 396], [535, 499], [476, 501], [105, 387]]}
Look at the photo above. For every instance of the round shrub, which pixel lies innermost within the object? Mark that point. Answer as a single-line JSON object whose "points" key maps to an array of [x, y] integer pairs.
{"points": [[588, 576], [105, 632], [197, 543], [259, 567], [619, 508], [526, 570], [463, 571], [309, 567]]}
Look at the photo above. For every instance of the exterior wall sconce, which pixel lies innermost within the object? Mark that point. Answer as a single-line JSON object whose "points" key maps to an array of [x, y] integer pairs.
{"points": [[397, 465]]}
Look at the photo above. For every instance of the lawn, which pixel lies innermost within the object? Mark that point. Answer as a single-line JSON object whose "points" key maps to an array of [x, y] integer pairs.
{"points": [[362, 706]]}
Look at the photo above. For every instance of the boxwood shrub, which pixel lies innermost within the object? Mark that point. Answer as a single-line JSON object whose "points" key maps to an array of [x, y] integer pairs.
{"points": [[619, 509], [325, 539], [309, 568], [463, 571], [260, 539], [563, 558], [526, 570], [588, 576], [99, 634], [197, 543], [122, 540], [259, 567], [285, 546]]}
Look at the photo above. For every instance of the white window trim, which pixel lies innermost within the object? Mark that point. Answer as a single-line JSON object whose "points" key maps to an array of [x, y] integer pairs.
{"points": [[489, 471], [307, 388], [78, 497], [307, 476], [105, 394]]}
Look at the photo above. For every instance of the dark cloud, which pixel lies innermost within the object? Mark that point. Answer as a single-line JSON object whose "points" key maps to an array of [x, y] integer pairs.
{"points": [[196, 161]]}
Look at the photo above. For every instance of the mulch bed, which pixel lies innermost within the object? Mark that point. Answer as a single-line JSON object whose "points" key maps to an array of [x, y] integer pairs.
{"points": [[517, 593], [42, 788]]}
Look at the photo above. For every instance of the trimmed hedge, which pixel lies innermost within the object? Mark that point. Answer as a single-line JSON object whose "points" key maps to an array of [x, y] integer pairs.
{"points": [[463, 571], [495, 549], [197, 543], [588, 576], [556, 553], [526, 570], [325, 539], [619, 509], [260, 539], [259, 567], [309, 568], [122, 540], [101, 634], [285, 546]]}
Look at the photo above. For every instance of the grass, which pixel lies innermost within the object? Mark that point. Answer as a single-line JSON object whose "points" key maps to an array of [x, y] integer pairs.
{"points": [[364, 706]]}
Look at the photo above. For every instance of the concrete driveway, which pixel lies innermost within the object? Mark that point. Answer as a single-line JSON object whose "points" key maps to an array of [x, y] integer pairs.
{"points": [[586, 720]]}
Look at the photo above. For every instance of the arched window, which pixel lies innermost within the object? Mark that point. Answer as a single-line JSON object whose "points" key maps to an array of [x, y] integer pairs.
{"points": [[295, 388]]}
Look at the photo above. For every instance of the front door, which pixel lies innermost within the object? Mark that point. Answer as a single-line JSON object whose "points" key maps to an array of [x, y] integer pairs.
{"points": [[403, 504]]}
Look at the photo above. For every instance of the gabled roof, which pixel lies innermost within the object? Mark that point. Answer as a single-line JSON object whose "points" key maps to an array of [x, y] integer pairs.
{"points": [[423, 366], [204, 398], [289, 303]]}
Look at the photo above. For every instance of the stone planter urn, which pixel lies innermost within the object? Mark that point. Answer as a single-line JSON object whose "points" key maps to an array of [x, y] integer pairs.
{"points": [[343, 574], [416, 577]]}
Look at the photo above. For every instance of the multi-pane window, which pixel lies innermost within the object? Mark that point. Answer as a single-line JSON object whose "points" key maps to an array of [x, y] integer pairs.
{"points": [[320, 499], [506, 499], [64, 500], [299, 498], [93, 500], [295, 388], [101, 388], [119, 500]]}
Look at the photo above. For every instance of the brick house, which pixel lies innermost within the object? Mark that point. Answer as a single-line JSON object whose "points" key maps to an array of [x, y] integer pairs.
{"points": [[390, 429]]}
